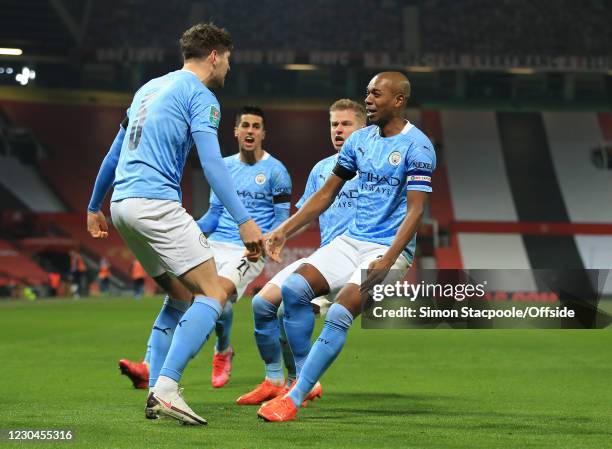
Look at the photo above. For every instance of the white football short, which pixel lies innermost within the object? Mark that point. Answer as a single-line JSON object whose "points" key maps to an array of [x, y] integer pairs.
{"points": [[283, 274], [341, 262], [231, 264], [161, 234], [343, 259]]}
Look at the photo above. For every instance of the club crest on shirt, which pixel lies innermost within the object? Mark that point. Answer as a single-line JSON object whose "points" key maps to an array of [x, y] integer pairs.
{"points": [[204, 241], [260, 179], [395, 158]]}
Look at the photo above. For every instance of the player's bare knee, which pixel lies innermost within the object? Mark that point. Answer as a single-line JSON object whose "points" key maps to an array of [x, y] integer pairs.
{"points": [[219, 294], [351, 299], [315, 279], [212, 290], [227, 286], [173, 287], [271, 293]]}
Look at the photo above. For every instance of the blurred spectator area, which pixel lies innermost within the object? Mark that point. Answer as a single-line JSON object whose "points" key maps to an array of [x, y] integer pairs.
{"points": [[545, 27]]}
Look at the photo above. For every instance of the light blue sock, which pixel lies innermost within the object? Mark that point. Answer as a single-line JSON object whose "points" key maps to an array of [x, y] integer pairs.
{"points": [[161, 336], [285, 348], [323, 352], [299, 317], [266, 336], [147, 357], [223, 327], [192, 332]]}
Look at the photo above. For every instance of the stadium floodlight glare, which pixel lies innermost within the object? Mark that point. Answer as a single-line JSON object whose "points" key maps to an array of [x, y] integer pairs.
{"points": [[25, 76], [521, 71], [11, 51], [300, 67], [420, 69]]}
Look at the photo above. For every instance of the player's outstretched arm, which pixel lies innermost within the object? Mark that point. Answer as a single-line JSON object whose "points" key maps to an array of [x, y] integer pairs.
{"points": [[222, 185], [96, 222], [315, 206], [379, 268], [210, 220]]}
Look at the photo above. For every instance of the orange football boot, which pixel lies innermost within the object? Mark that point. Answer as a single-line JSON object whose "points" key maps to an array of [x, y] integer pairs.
{"points": [[279, 409], [262, 392], [138, 372], [222, 368]]}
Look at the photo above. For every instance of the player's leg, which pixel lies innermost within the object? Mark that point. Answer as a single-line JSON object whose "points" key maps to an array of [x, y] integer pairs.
{"points": [[176, 302], [268, 325], [330, 342], [265, 307], [223, 328], [144, 374], [199, 320], [224, 352], [175, 305], [288, 360], [324, 351], [193, 330], [147, 357], [225, 255], [328, 267], [236, 272], [347, 306], [182, 251], [267, 330], [297, 291]]}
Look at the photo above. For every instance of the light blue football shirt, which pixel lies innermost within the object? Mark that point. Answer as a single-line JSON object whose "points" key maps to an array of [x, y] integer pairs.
{"points": [[335, 220], [162, 116], [388, 167], [259, 186]]}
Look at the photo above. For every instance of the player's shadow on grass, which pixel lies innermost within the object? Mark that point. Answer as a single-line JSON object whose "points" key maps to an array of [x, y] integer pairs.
{"points": [[385, 404]]}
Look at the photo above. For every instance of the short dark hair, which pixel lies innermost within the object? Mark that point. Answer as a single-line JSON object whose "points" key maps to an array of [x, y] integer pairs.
{"points": [[252, 110], [199, 40]]}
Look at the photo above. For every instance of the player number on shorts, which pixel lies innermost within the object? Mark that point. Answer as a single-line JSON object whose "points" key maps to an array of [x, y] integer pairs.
{"points": [[243, 267]]}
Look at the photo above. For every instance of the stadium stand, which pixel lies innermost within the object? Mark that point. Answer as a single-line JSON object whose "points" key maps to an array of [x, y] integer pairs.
{"points": [[76, 138], [571, 137], [16, 265], [168, 21], [291, 27], [447, 255], [24, 182], [525, 190], [71, 225], [605, 121], [8, 201], [554, 27], [36, 24], [476, 167]]}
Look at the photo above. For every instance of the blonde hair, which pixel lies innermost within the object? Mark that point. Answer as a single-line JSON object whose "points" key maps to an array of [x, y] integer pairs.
{"points": [[345, 104]]}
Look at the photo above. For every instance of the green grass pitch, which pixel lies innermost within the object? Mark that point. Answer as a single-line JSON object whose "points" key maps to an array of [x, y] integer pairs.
{"points": [[388, 389]]}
